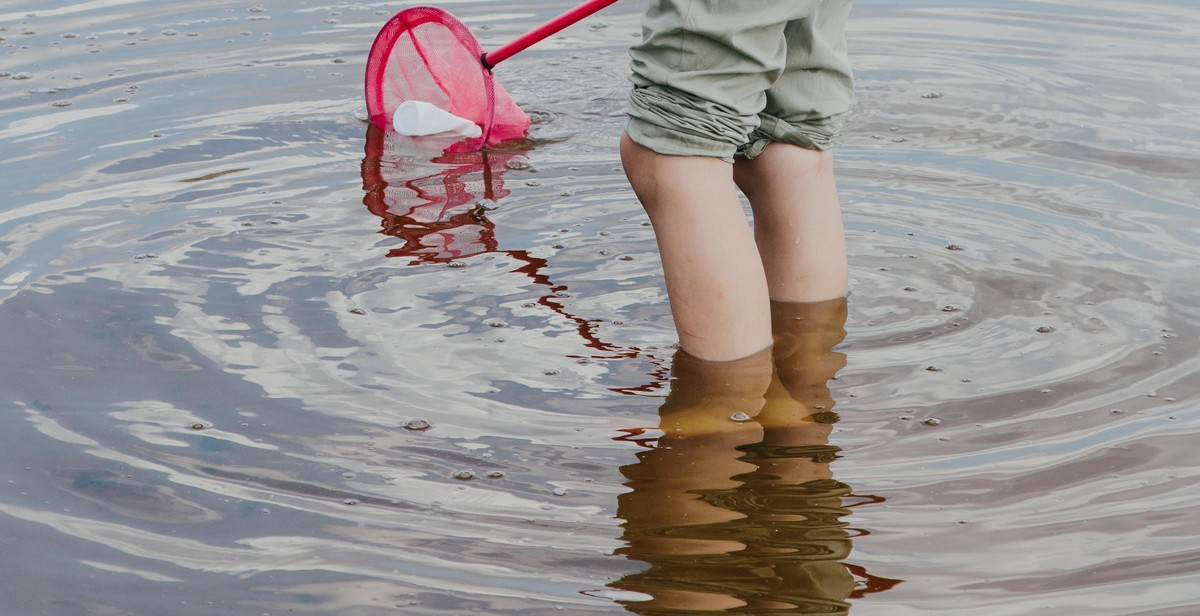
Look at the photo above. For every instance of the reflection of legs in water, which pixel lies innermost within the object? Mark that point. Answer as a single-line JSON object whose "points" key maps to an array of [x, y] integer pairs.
{"points": [[668, 520], [800, 501], [744, 517]]}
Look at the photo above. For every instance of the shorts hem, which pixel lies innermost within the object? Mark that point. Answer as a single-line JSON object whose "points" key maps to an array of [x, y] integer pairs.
{"points": [[676, 143], [818, 135]]}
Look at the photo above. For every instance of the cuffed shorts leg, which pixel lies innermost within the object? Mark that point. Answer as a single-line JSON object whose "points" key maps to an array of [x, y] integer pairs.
{"points": [[727, 77]]}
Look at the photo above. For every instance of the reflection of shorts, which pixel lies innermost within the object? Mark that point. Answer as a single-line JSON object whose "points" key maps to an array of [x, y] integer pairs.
{"points": [[725, 77]]}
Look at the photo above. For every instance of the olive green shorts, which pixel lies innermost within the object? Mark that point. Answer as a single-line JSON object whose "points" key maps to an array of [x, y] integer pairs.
{"points": [[728, 77]]}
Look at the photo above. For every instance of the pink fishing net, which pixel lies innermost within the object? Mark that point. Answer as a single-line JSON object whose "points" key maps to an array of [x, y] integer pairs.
{"points": [[426, 54]]}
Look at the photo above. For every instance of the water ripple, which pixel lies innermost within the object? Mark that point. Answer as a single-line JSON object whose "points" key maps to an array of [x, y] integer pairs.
{"points": [[261, 359]]}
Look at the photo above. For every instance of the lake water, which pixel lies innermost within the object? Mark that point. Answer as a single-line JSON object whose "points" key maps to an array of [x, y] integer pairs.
{"points": [[256, 360]]}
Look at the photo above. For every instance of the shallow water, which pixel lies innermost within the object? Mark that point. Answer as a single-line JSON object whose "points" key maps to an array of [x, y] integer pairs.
{"points": [[225, 303]]}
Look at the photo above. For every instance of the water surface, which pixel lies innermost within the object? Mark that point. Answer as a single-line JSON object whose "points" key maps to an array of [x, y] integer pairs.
{"points": [[225, 304]]}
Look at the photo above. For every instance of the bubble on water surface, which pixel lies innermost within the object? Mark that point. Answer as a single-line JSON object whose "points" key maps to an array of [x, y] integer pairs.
{"points": [[518, 163], [417, 425]]}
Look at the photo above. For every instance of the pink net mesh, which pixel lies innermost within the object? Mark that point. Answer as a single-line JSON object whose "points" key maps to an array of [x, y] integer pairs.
{"points": [[426, 54]]}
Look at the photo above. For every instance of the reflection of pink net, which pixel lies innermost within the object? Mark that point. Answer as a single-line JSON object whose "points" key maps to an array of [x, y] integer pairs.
{"points": [[426, 54], [434, 206]]}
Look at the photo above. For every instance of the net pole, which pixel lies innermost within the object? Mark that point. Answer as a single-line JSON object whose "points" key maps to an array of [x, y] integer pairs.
{"points": [[543, 31]]}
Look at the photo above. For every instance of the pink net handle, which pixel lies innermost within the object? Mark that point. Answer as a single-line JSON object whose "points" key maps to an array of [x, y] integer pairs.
{"points": [[544, 31]]}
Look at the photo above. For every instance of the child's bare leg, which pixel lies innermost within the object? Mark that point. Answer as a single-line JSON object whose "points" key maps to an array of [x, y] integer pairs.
{"points": [[714, 274], [797, 222]]}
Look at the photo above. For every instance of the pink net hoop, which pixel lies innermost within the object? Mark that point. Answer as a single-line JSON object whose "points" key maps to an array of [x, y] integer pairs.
{"points": [[426, 54]]}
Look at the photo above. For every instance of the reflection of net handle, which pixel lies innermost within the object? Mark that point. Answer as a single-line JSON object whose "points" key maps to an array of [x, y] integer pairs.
{"points": [[543, 31]]}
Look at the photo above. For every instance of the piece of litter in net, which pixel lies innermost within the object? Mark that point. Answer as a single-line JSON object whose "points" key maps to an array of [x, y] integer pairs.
{"points": [[418, 118]]}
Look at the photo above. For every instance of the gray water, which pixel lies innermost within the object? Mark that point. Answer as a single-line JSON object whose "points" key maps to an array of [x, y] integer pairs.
{"points": [[225, 305]]}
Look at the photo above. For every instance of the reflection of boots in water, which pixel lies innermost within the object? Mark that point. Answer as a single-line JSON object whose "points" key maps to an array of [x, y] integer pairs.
{"points": [[744, 518], [668, 521], [799, 409], [805, 336], [799, 504]]}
